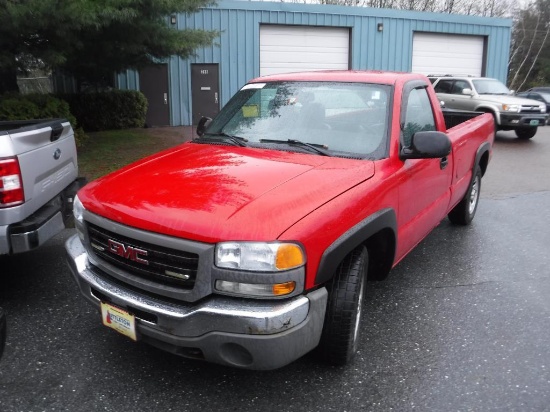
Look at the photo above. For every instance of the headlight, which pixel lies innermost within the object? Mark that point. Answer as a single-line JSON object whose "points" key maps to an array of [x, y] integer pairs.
{"points": [[510, 107], [78, 213], [78, 209], [543, 108], [259, 256]]}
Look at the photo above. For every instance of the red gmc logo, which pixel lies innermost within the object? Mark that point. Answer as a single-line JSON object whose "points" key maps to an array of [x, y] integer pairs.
{"points": [[128, 252]]}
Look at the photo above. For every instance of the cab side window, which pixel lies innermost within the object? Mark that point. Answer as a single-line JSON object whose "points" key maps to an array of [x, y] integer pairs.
{"points": [[418, 115], [444, 86], [458, 86]]}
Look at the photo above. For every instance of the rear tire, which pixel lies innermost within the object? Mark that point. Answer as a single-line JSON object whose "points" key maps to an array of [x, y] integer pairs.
{"points": [[463, 213], [340, 335], [526, 133]]}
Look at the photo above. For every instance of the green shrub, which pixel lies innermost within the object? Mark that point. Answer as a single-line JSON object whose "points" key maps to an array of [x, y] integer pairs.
{"points": [[39, 106], [51, 107], [115, 109], [14, 108]]}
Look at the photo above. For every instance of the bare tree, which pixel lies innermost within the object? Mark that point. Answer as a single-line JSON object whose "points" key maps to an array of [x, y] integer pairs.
{"points": [[380, 4], [530, 45], [536, 58], [487, 8], [342, 2], [530, 49]]}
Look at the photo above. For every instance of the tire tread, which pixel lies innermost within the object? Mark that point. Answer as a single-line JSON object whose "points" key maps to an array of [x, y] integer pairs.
{"points": [[337, 344]]}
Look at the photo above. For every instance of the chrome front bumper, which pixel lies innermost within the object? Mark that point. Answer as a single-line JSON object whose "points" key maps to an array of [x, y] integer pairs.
{"points": [[246, 333]]}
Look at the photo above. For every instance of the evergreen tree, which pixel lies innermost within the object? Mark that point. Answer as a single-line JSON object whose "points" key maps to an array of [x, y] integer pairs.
{"points": [[92, 39]]}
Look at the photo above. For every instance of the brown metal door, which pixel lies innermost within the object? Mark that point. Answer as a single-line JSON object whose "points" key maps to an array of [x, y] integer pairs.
{"points": [[153, 83], [205, 91]]}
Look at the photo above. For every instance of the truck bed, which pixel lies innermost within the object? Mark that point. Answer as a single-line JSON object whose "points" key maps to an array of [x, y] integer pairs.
{"points": [[455, 117]]}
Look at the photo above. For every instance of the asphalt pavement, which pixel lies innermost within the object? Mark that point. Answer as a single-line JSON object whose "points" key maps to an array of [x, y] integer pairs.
{"points": [[461, 324]]}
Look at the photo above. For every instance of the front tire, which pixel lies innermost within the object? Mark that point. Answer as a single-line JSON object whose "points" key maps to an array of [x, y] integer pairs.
{"points": [[526, 133], [340, 335], [463, 213]]}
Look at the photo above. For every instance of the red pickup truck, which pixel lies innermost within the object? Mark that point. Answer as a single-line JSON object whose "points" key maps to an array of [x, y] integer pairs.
{"points": [[251, 245]]}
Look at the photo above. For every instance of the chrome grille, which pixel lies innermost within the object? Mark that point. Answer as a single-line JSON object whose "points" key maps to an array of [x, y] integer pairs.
{"points": [[163, 265]]}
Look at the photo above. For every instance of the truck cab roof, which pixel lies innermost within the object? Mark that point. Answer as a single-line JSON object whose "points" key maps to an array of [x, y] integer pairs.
{"points": [[358, 76]]}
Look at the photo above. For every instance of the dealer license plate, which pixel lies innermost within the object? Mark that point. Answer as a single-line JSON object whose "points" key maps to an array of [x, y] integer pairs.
{"points": [[119, 320], [534, 122]]}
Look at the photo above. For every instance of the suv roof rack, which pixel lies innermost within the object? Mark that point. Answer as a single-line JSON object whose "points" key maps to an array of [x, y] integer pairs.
{"points": [[451, 75]]}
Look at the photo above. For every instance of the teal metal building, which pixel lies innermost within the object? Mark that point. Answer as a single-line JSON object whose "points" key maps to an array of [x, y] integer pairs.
{"points": [[258, 38]]}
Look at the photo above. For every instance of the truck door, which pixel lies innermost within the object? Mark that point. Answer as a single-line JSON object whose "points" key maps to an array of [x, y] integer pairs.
{"points": [[424, 193]]}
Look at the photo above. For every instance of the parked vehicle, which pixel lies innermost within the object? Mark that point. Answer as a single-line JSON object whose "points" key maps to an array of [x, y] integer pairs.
{"points": [[541, 96], [491, 96], [251, 245], [539, 89], [38, 181]]}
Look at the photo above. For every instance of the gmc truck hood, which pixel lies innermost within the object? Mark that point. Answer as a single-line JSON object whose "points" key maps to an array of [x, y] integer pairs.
{"points": [[211, 193]]}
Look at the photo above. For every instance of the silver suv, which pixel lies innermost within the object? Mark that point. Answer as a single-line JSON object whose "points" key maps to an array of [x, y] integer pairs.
{"points": [[484, 94]]}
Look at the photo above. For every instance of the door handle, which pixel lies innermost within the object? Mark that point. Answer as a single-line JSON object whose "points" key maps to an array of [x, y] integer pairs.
{"points": [[165, 98], [444, 162], [216, 97]]}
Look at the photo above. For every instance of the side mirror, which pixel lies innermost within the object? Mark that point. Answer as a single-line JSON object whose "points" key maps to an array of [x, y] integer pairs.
{"points": [[427, 145], [204, 122], [467, 91], [512, 92]]}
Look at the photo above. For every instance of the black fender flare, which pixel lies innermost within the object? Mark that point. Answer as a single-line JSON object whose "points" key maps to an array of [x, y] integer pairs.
{"points": [[485, 147], [351, 239]]}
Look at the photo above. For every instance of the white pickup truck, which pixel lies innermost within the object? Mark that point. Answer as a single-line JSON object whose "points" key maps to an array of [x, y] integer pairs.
{"points": [[38, 180]]}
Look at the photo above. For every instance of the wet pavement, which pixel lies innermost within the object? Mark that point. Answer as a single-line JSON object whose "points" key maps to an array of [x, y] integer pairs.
{"points": [[461, 324]]}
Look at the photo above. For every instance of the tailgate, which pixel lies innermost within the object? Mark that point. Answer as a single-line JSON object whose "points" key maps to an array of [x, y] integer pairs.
{"points": [[48, 162]]}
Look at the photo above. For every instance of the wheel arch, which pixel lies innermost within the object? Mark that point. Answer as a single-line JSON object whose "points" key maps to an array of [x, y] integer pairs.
{"points": [[482, 157], [378, 233], [492, 110]]}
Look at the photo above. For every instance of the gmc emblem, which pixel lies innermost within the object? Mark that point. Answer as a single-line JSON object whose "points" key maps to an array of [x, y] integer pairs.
{"points": [[128, 252]]}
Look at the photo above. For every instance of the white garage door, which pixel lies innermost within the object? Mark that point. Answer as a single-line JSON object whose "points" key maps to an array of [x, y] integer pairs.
{"points": [[285, 49], [447, 54]]}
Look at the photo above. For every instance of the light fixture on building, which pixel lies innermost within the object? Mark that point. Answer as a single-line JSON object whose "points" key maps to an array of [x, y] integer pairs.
{"points": [[380, 26], [173, 19]]}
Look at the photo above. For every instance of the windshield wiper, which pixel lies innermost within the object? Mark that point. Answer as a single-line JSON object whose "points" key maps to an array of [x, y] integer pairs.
{"points": [[313, 146], [224, 137]]}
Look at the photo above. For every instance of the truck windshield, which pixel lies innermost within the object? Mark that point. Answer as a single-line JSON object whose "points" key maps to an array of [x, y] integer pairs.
{"points": [[490, 86], [345, 119]]}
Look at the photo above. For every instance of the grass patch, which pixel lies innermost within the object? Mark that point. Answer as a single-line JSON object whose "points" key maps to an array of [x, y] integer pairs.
{"points": [[107, 151]]}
